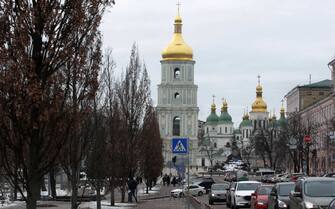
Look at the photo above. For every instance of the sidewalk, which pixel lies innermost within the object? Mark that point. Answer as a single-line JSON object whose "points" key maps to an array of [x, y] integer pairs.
{"points": [[162, 200], [158, 198]]}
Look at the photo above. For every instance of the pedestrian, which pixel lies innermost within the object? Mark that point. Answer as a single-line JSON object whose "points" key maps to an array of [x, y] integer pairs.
{"points": [[164, 180], [168, 180], [132, 186], [174, 181]]}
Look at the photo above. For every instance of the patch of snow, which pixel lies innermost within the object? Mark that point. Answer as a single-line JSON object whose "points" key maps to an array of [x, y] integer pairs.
{"points": [[106, 205]]}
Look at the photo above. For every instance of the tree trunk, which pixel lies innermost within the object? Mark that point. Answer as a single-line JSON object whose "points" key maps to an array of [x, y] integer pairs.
{"points": [[74, 188], [53, 183], [33, 193], [98, 189], [112, 188]]}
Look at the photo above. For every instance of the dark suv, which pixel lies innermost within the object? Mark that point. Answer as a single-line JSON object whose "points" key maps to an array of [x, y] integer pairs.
{"points": [[312, 193], [205, 182]]}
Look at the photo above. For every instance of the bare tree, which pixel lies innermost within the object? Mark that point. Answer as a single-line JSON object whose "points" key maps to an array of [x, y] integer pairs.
{"points": [[133, 96], [40, 41], [151, 158]]}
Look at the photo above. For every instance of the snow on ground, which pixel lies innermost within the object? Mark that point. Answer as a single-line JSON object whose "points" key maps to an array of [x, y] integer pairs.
{"points": [[106, 205], [12, 205]]}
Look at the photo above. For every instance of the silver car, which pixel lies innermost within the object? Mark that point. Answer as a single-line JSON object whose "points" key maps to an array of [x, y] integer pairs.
{"points": [[218, 193], [312, 193]]}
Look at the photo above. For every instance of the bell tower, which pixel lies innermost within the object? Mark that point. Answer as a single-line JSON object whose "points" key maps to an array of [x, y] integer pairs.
{"points": [[177, 95]]}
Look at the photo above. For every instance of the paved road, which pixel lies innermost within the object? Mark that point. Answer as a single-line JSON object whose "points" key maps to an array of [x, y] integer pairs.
{"points": [[219, 205]]}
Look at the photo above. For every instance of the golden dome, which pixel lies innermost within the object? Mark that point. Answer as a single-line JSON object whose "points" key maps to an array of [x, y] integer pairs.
{"points": [[224, 107], [177, 48], [259, 104], [213, 107]]}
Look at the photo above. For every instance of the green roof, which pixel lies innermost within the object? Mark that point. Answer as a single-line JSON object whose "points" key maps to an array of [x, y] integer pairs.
{"points": [[212, 119], [225, 118], [245, 122], [321, 84], [282, 122]]}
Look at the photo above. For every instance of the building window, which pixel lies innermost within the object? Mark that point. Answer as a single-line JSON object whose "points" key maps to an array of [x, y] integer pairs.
{"points": [[321, 93], [176, 95], [225, 129], [177, 73], [220, 130], [215, 145], [207, 129], [176, 126]]}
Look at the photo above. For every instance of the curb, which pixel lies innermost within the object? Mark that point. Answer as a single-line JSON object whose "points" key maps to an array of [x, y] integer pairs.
{"points": [[196, 203]]}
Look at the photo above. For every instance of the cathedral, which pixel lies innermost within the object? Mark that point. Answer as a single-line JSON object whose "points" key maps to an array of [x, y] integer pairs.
{"points": [[221, 142], [217, 140]]}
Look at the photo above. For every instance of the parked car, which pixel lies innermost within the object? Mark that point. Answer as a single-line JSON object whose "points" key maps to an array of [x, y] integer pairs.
{"points": [[259, 199], [331, 204], [329, 175], [241, 195], [294, 176], [228, 194], [195, 190], [218, 193], [312, 192], [279, 196], [205, 182]]}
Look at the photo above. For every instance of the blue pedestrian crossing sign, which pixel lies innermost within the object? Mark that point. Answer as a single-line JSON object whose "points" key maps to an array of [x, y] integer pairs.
{"points": [[179, 145]]}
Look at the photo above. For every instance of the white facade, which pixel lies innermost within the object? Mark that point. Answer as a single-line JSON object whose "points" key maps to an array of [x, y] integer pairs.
{"points": [[177, 106]]}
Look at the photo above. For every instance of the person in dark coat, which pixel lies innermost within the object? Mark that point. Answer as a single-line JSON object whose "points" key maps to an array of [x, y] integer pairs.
{"points": [[168, 180], [174, 181], [132, 186]]}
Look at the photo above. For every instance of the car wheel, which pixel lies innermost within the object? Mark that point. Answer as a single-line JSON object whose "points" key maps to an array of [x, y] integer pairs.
{"points": [[210, 202], [181, 194], [235, 206], [200, 193]]}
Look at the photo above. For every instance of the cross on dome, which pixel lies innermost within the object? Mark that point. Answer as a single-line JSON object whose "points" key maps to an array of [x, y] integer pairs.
{"points": [[259, 79], [178, 7]]}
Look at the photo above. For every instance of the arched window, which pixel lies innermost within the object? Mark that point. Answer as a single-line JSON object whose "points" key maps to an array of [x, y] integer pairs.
{"points": [[176, 126], [176, 95], [176, 73], [225, 129]]}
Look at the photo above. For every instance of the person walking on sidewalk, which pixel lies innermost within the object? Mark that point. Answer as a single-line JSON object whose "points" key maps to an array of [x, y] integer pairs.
{"points": [[132, 186]]}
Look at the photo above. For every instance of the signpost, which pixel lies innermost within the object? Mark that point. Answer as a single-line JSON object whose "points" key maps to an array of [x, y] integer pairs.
{"points": [[181, 146]]}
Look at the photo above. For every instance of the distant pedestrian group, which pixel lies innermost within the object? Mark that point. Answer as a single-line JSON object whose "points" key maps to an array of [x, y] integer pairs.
{"points": [[168, 179]]}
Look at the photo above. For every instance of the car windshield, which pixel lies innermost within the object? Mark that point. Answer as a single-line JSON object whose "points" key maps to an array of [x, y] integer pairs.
{"points": [[264, 190], [320, 188], [247, 186], [284, 190], [220, 186]]}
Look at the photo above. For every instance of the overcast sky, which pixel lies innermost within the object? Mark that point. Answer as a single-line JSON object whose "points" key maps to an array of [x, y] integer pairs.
{"points": [[233, 41]]}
